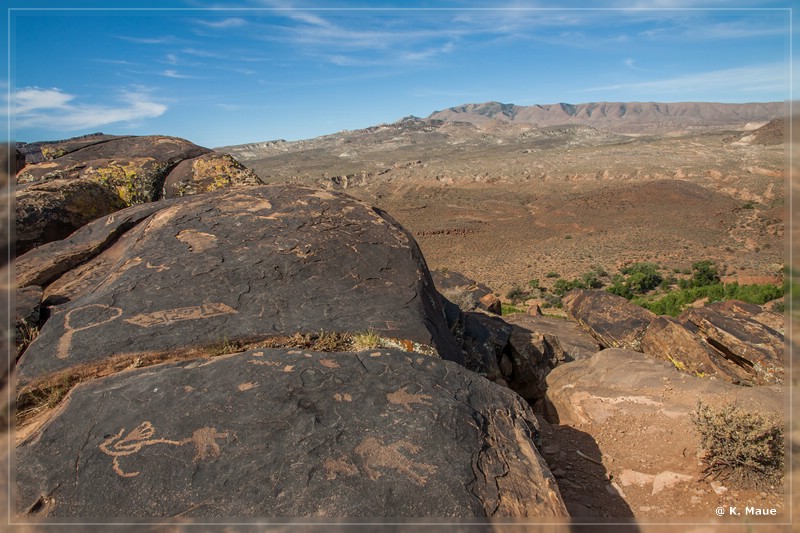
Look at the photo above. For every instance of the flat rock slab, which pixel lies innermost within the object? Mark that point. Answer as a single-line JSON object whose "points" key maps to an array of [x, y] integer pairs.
{"points": [[289, 433], [617, 382], [574, 340], [612, 320], [239, 265]]}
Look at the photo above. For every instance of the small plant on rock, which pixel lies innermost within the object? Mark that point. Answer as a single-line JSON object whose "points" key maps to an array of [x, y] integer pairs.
{"points": [[366, 340]]}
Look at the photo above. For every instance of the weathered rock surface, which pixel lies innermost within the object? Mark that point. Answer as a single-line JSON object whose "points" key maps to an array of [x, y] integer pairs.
{"points": [[83, 179], [289, 433], [133, 166], [206, 173], [574, 340], [669, 340], [746, 343], [52, 210], [616, 382], [466, 293], [36, 152], [631, 414], [532, 355], [744, 310], [612, 320], [232, 265]]}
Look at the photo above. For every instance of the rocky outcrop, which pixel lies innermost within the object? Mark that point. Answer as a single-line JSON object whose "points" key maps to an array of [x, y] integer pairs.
{"points": [[466, 293], [612, 320], [82, 179], [575, 342], [286, 433], [669, 340], [231, 266], [209, 172], [748, 311], [532, 355], [756, 349], [51, 210], [636, 413]]}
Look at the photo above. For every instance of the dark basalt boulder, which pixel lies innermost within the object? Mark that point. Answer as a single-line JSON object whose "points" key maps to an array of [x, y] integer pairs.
{"points": [[612, 320], [51, 210], [82, 179], [755, 348], [208, 172], [229, 266], [289, 433], [744, 310]]}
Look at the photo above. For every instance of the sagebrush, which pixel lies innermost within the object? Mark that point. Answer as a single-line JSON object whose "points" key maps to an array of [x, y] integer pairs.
{"points": [[740, 445]]}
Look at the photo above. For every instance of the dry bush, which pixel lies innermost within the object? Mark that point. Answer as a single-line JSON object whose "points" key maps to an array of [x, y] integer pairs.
{"points": [[366, 340], [743, 446], [461, 297]]}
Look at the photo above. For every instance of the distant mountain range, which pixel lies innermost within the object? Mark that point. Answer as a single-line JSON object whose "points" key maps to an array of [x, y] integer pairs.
{"points": [[618, 117]]}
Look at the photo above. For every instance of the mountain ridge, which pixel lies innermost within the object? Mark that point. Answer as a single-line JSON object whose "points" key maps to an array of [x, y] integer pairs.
{"points": [[618, 117]]}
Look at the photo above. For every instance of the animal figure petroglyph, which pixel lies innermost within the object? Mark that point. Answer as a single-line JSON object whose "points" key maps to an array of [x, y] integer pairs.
{"points": [[376, 455], [402, 397], [116, 446]]}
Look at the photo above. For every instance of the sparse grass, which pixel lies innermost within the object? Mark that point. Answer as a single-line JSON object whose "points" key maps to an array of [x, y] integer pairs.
{"points": [[743, 446], [508, 309], [225, 346], [26, 334], [366, 340], [35, 401]]}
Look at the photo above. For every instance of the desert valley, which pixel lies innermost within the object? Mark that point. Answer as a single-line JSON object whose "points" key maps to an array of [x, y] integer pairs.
{"points": [[561, 314]]}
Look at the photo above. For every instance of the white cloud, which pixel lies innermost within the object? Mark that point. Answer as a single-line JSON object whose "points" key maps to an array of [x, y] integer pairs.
{"points": [[54, 109], [233, 22], [33, 98], [172, 59], [169, 73]]}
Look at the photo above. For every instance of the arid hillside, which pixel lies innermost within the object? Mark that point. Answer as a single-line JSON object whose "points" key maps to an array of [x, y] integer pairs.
{"points": [[506, 202]]}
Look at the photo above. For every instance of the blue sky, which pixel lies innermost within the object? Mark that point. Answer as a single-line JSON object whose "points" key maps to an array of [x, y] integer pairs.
{"points": [[285, 69]]}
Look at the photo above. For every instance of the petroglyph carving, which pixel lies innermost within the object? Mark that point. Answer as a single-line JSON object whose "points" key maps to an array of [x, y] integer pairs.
{"points": [[198, 241], [334, 467], [402, 397], [91, 315], [117, 446], [343, 397], [376, 455], [157, 268], [246, 386], [329, 363], [168, 316]]}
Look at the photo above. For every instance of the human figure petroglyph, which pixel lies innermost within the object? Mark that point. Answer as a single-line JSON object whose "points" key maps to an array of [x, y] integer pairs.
{"points": [[117, 446], [377, 455], [63, 348], [168, 316]]}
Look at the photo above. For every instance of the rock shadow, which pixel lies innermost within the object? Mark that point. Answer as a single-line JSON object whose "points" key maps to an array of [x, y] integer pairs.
{"points": [[590, 496]]}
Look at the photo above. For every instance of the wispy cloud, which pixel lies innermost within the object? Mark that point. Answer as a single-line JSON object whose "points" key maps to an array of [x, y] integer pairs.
{"points": [[147, 40], [770, 77], [233, 22], [53, 109], [170, 73]]}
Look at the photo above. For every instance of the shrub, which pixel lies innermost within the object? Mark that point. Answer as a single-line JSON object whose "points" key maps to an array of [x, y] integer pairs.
{"points": [[533, 284], [516, 294], [704, 273], [460, 297], [552, 275], [741, 445]]}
